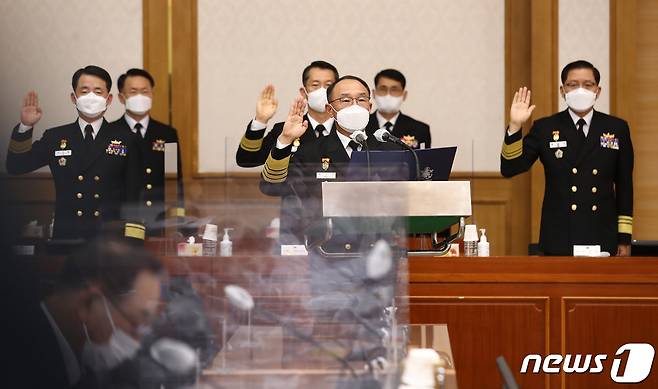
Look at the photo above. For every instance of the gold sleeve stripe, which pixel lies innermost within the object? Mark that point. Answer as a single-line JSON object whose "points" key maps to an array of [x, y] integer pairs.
{"points": [[512, 151], [625, 224], [251, 144], [276, 170], [133, 230], [19, 147], [177, 212]]}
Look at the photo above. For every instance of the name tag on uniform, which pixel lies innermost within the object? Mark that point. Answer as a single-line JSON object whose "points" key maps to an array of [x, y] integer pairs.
{"points": [[557, 145], [325, 175], [62, 153]]}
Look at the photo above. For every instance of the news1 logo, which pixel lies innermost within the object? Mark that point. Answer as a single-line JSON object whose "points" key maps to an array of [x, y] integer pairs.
{"points": [[632, 363]]}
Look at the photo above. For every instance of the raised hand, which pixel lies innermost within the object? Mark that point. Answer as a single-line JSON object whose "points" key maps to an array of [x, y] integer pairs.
{"points": [[267, 104], [30, 112], [295, 125], [521, 110]]}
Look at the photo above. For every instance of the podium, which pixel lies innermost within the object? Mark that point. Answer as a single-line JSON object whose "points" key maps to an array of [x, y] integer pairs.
{"points": [[422, 206]]}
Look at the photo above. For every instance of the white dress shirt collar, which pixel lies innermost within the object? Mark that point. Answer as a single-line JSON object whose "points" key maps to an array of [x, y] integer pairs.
{"points": [[70, 360], [345, 140], [327, 125], [132, 123], [382, 120], [95, 125], [587, 118]]}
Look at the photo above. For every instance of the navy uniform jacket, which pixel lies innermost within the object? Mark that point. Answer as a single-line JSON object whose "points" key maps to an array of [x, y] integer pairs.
{"points": [[152, 171], [295, 175], [89, 190], [255, 146], [588, 197], [413, 132]]}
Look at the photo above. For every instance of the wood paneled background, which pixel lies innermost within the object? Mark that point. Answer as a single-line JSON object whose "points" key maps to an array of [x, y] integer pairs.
{"points": [[508, 208]]}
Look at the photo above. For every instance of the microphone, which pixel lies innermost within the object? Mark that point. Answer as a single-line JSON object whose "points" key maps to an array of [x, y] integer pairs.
{"points": [[361, 137], [384, 136], [241, 299]]}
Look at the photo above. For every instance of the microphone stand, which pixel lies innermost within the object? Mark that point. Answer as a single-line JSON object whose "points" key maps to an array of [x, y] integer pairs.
{"points": [[413, 152]]}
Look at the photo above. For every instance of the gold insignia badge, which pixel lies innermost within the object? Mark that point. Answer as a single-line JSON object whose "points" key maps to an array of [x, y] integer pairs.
{"points": [[325, 163], [62, 144], [556, 135], [296, 143], [62, 161], [558, 153]]}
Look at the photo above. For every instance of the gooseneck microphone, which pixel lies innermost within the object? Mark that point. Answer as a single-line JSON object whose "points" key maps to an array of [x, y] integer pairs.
{"points": [[361, 138], [384, 136]]}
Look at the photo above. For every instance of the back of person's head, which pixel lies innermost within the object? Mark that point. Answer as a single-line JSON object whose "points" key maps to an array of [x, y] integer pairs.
{"points": [[134, 72], [92, 70], [580, 64], [111, 265], [319, 65], [393, 74]]}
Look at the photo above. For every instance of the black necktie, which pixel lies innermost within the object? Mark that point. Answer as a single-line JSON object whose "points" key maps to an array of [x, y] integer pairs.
{"points": [[580, 125], [354, 145], [388, 126], [138, 129], [89, 137], [319, 130]]}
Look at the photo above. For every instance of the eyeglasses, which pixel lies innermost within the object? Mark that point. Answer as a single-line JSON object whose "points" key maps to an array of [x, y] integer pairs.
{"points": [[344, 101]]}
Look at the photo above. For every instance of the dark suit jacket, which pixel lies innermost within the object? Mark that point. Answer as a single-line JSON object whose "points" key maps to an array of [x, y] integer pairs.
{"points": [[89, 189], [413, 132], [152, 171], [588, 197], [296, 176], [255, 146]]}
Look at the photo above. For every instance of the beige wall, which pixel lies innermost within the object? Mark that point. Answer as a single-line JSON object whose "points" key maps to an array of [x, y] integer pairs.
{"points": [[452, 53], [44, 41], [584, 33]]}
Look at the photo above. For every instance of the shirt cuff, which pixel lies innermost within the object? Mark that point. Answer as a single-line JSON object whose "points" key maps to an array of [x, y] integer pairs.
{"points": [[22, 128], [257, 126], [280, 145]]}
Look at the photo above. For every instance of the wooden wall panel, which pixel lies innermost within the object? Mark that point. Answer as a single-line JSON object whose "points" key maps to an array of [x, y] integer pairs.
{"points": [[634, 92], [645, 136], [616, 321], [514, 328], [156, 55], [544, 86]]}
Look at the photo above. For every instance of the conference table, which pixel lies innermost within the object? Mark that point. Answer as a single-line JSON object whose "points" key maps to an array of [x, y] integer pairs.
{"points": [[493, 306]]}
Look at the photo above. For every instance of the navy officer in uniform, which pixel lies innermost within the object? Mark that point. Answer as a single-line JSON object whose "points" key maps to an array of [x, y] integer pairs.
{"points": [[95, 167], [255, 146], [588, 166], [136, 93], [390, 92]]}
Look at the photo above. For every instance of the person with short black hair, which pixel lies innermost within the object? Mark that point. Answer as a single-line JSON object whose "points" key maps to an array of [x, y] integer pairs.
{"points": [[136, 88], [390, 92], [588, 166], [255, 146], [95, 168]]}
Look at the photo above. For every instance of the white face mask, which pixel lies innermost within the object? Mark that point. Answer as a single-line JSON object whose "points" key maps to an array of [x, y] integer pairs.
{"points": [[388, 103], [104, 357], [91, 104], [580, 100], [317, 100], [138, 104], [353, 118]]}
